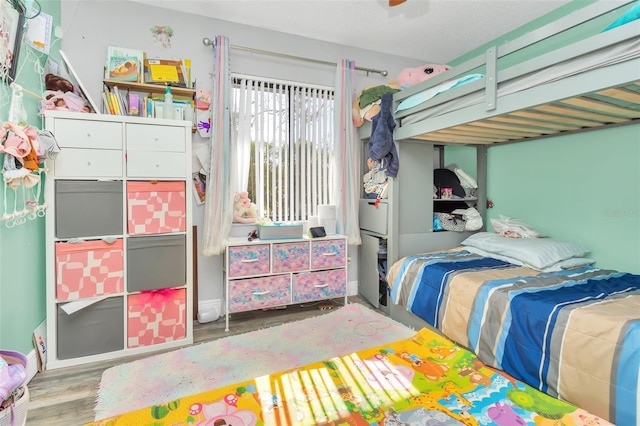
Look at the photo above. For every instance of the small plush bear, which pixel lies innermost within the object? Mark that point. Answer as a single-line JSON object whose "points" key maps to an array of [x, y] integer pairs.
{"points": [[244, 211]]}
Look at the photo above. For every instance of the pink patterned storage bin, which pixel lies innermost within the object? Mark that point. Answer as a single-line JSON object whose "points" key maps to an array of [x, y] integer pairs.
{"points": [[156, 207], [89, 269], [259, 293], [155, 317], [328, 253], [290, 257], [249, 260], [310, 286]]}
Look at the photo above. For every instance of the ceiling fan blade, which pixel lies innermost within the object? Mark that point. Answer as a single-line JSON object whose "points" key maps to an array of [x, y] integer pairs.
{"points": [[396, 2]]}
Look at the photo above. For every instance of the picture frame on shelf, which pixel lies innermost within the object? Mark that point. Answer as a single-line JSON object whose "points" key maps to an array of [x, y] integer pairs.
{"points": [[199, 187], [11, 28]]}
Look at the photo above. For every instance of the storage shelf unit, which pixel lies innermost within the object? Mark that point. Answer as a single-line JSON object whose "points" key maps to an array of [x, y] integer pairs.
{"points": [[265, 274], [402, 225], [118, 237]]}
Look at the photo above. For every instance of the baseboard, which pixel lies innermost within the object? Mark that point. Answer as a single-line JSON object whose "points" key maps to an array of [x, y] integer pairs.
{"points": [[352, 288], [32, 365]]}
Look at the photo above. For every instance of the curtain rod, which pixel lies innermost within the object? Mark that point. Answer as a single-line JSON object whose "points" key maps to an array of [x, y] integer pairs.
{"points": [[208, 42]]}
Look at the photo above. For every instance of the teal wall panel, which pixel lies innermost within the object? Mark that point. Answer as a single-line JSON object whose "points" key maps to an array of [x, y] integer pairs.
{"points": [[22, 249]]}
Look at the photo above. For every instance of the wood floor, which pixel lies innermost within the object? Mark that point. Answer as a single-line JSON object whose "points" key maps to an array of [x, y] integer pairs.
{"points": [[67, 396]]}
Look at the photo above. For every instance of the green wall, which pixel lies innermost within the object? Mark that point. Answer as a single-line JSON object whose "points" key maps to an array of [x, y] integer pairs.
{"points": [[22, 249], [583, 188]]}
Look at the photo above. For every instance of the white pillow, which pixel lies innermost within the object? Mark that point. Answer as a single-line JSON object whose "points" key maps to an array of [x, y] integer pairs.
{"points": [[574, 262], [511, 225], [571, 263], [540, 253]]}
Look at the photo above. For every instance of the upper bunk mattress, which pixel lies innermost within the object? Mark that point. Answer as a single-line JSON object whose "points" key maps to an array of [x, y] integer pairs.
{"points": [[623, 51]]}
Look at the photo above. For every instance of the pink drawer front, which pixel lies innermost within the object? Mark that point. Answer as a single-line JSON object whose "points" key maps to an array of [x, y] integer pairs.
{"points": [[155, 317], [290, 257], [88, 269], [156, 207], [328, 254], [258, 293], [310, 286], [249, 260]]}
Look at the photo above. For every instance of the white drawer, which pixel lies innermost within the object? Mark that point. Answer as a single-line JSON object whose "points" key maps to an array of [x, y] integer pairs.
{"points": [[88, 134], [146, 137], [72, 162], [373, 218], [156, 165]]}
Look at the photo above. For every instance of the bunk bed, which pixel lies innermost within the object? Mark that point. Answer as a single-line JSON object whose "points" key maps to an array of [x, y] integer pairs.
{"points": [[590, 83], [585, 82]]}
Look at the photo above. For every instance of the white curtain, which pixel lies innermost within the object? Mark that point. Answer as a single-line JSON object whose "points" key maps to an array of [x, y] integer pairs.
{"points": [[243, 117], [348, 147], [218, 213]]}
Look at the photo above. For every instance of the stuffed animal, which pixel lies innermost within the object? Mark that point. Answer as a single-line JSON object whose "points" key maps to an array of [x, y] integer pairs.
{"points": [[411, 76], [244, 211], [60, 94]]}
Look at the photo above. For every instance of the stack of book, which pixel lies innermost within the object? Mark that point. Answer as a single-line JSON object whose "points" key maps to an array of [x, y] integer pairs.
{"points": [[126, 102], [128, 65]]}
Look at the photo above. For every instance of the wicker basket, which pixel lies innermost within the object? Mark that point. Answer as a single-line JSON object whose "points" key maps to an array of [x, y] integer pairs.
{"points": [[16, 413]]}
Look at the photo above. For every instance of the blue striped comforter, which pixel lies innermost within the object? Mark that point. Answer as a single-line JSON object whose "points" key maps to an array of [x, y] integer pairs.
{"points": [[574, 334]]}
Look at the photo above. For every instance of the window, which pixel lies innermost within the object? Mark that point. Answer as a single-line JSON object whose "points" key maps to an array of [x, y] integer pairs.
{"points": [[285, 138]]}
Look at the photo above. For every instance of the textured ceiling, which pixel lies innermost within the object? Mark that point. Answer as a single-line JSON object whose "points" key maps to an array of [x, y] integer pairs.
{"points": [[430, 30]]}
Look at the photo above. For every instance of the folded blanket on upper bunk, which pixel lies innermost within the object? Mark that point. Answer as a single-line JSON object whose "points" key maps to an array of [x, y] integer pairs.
{"points": [[424, 96], [574, 334]]}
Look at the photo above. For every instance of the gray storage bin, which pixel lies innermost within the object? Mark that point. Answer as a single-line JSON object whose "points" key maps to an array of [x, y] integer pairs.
{"points": [[280, 231], [96, 329], [88, 208], [156, 262]]}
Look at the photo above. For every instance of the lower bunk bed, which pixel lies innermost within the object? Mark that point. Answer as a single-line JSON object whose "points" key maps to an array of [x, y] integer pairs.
{"points": [[571, 333]]}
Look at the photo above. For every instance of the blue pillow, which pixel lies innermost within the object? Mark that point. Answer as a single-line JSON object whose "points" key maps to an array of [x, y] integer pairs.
{"points": [[630, 15]]}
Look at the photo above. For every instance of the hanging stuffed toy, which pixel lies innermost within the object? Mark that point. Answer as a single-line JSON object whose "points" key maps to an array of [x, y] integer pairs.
{"points": [[21, 148], [21, 170]]}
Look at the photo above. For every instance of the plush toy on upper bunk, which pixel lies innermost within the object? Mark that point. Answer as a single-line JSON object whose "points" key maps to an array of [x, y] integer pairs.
{"points": [[367, 105]]}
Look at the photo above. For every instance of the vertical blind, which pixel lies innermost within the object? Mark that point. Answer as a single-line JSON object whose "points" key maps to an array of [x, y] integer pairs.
{"points": [[288, 132]]}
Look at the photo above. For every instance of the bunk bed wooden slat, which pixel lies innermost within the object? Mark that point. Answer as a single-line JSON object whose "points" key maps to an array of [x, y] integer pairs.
{"points": [[596, 84], [579, 113], [607, 108]]}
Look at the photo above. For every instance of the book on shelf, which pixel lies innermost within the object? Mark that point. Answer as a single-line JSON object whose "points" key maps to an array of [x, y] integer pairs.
{"points": [[165, 71], [124, 64], [134, 104], [106, 100], [187, 72]]}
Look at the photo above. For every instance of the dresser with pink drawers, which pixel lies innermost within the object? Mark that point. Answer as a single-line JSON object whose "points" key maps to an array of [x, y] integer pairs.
{"points": [[269, 274]]}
